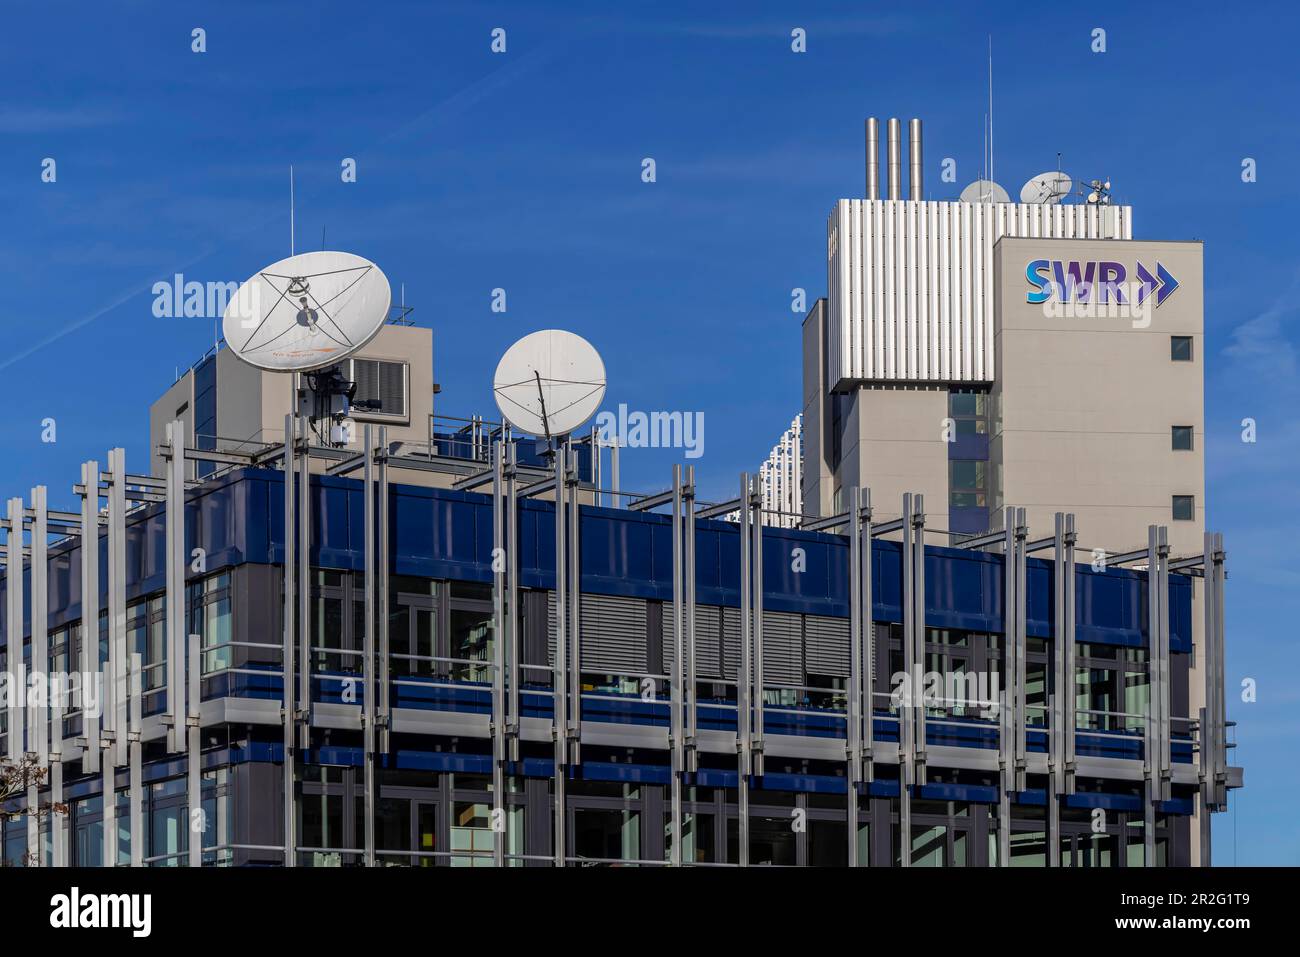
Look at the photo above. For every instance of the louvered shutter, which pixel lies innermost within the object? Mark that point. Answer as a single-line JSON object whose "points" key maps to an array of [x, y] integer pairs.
{"points": [[782, 648], [613, 634], [731, 643], [708, 640], [828, 645]]}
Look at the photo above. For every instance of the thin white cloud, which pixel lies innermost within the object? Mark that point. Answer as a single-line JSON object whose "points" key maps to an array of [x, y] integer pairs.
{"points": [[41, 120]]}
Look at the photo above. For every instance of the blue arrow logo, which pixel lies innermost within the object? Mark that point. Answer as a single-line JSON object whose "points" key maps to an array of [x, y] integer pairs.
{"points": [[1169, 284], [1162, 282]]}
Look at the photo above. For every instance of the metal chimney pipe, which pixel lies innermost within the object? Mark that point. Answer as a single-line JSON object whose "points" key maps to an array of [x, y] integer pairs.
{"points": [[873, 158], [895, 158], [914, 155]]}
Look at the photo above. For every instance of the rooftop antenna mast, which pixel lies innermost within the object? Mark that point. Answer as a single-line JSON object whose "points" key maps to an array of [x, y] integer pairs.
{"points": [[290, 209], [990, 113]]}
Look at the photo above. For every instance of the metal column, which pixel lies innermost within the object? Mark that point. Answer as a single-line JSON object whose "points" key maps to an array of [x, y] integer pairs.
{"points": [[1062, 700], [513, 633], [560, 670], [676, 720], [1212, 726], [303, 455], [174, 526], [89, 656], [498, 658], [193, 745], [39, 716], [135, 758], [744, 674], [290, 816], [14, 627], [755, 503], [1158, 772], [383, 723], [574, 594], [368, 648], [853, 738], [688, 575]]}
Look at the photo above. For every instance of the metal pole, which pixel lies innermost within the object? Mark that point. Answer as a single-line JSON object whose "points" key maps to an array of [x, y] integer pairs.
{"points": [[302, 455], [743, 679], [498, 660], [368, 647], [853, 743], [692, 714], [756, 595], [560, 670], [289, 718], [676, 730]]}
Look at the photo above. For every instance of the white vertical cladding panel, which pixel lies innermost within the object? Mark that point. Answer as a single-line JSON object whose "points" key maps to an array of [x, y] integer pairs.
{"points": [[968, 293], [945, 295], [901, 262], [886, 318], [858, 320], [979, 234], [991, 235], [911, 282], [910, 269], [931, 351], [877, 267], [862, 301]]}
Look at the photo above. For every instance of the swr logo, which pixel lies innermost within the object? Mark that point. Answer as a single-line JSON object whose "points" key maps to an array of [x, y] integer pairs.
{"points": [[1056, 279]]}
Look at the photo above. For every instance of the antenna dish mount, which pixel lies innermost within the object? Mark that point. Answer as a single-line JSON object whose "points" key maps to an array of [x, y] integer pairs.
{"points": [[549, 383]]}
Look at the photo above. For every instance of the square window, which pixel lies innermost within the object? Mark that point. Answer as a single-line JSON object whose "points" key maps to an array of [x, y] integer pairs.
{"points": [[1184, 508], [1180, 348], [1182, 438]]}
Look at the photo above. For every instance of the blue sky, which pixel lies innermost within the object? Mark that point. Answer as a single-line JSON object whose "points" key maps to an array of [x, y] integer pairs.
{"points": [[522, 171]]}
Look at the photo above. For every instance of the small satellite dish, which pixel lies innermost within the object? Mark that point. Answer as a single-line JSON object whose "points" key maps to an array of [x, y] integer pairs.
{"points": [[307, 312], [984, 191], [1046, 189], [549, 383]]}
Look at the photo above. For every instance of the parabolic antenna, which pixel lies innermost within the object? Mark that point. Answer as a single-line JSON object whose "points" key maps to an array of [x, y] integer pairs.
{"points": [[307, 312], [549, 383], [984, 191], [1046, 189]]}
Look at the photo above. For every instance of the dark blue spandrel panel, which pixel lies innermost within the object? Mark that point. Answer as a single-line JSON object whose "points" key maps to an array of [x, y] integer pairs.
{"points": [[1109, 607], [813, 580], [1180, 613], [1040, 598], [886, 580], [963, 590], [626, 553]]}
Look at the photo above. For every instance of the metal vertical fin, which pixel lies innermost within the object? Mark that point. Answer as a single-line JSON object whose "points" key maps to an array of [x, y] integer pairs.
{"points": [[498, 660], [756, 596], [560, 671], [90, 664], [383, 558], [303, 455], [675, 691], [289, 814], [368, 647], [743, 676]]}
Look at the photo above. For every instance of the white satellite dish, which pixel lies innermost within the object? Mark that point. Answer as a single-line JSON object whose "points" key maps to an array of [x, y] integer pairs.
{"points": [[307, 312], [984, 191], [549, 383], [1046, 189]]}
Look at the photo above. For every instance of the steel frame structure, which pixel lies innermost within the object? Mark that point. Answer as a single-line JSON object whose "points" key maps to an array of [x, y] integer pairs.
{"points": [[115, 743]]}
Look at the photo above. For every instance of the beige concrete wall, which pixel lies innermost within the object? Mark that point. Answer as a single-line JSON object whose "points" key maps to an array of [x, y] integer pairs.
{"points": [[163, 410], [1083, 405], [818, 483], [252, 404], [893, 444]]}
